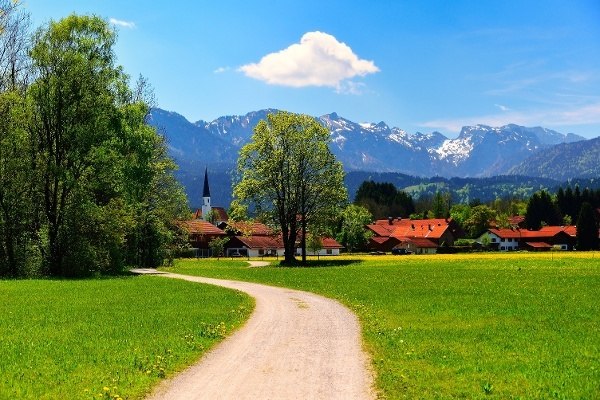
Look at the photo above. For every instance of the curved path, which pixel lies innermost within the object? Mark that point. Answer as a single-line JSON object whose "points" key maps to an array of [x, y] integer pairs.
{"points": [[296, 345]]}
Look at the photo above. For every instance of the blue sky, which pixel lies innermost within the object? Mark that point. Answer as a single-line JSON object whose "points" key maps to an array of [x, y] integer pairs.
{"points": [[417, 65]]}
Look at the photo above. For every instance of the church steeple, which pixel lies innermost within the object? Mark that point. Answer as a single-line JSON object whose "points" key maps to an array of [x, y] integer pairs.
{"points": [[206, 208], [206, 190]]}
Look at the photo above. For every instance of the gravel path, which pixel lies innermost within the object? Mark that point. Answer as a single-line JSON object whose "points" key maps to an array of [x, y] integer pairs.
{"points": [[296, 345]]}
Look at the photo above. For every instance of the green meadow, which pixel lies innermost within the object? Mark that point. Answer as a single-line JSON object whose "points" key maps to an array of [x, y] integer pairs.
{"points": [[494, 326], [107, 338]]}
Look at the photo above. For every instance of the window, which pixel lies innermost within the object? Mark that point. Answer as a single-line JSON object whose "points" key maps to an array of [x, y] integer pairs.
{"points": [[261, 252], [503, 240], [329, 251], [493, 240], [502, 248]]}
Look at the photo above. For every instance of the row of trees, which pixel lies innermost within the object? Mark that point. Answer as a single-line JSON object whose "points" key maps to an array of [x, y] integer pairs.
{"points": [[86, 185]]}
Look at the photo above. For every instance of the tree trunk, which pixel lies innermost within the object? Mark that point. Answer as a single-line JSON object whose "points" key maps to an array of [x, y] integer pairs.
{"points": [[303, 239]]}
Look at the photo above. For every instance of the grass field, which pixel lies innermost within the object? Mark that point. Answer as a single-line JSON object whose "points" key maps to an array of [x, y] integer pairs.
{"points": [[504, 326], [106, 338]]}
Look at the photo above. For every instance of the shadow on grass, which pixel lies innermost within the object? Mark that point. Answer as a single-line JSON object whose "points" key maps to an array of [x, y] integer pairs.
{"points": [[317, 263]]}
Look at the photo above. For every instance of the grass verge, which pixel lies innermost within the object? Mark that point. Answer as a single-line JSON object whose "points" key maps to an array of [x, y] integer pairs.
{"points": [[505, 326], [107, 338]]}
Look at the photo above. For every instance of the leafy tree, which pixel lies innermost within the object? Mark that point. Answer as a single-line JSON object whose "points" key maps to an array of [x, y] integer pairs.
{"points": [[14, 45], [479, 220], [288, 172], [441, 204], [460, 213], [16, 186], [74, 99], [314, 243], [217, 246], [384, 200], [502, 221], [587, 229], [353, 234], [541, 210], [107, 193]]}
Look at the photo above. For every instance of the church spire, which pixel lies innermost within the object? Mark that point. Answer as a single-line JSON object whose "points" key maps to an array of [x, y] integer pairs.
{"points": [[206, 191], [206, 208]]}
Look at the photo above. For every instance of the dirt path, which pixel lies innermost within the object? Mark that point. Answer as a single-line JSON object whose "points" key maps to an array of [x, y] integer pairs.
{"points": [[296, 345]]}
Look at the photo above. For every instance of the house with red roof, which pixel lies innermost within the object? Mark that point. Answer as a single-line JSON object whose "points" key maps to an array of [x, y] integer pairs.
{"points": [[548, 237], [416, 235], [200, 233], [246, 238]]}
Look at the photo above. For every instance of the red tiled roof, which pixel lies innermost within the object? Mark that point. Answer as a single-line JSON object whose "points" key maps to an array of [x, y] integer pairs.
{"points": [[419, 242], [220, 213], [516, 219], [249, 228], [545, 232], [381, 230], [553, 230], [425, 228], [380, 239], [260, 242], [330, 243], [433, 228], [404, 221], [539, 245], [200, 227]]}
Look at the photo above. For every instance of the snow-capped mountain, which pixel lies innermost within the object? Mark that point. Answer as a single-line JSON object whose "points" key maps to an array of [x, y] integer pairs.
{"points": [[478, 151]]}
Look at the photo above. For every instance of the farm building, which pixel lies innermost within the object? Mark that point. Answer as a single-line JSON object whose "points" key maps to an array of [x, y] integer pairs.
{"points": [[420, 235], [548, 237]]}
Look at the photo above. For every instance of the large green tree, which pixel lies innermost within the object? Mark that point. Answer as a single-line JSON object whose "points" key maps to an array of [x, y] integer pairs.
{"points": [[106, 189], [587, 229], [353, 234], [288, 173], [542, 210], [16, 186], [384, 200], [16, 175], [478, 220], [14, 44], [75, 97]]}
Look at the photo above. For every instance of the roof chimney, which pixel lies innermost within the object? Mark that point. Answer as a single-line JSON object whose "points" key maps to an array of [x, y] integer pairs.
{"points": [[391, 220]]}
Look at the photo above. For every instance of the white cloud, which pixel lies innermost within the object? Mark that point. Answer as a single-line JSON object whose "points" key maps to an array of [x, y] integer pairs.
{"points": [[121, 23], [220, 70], [350, 87], [581, 115], [502, 108], [318, 60]]}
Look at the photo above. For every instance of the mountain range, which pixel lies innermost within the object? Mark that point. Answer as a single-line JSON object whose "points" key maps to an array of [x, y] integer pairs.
{"points": [[478, 151]]}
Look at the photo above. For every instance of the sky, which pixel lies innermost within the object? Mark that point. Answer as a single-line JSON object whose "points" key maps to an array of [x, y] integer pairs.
{"points": [[421, 66]]}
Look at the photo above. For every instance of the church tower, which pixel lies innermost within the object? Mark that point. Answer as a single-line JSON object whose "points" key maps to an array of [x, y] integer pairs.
{"points": [[206, 208]]}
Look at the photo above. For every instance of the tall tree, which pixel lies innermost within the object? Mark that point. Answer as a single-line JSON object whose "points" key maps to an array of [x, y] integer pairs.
{"points": [[479, 220], [106, 186], [384, 200], [14, 45], [16, 175], [353, 234], [16, 186], [288, 172], [541, 210], [74, 98], [587, 229]]}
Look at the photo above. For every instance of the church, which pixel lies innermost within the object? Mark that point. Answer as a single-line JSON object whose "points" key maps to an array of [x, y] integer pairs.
{"points": [[248, 239], [207, 212]]}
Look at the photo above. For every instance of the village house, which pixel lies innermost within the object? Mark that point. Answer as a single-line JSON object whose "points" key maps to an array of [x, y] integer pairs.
{"points": [[419, 236], [548, 237], [246, 238], [200, 233]]}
